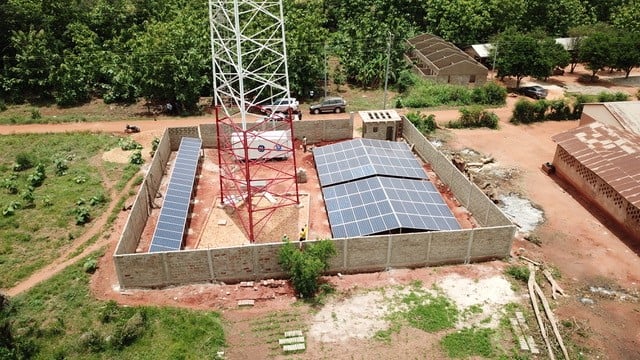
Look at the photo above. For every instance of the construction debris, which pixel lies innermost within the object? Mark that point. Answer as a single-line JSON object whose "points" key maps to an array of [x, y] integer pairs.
{"points": [[555, 288], [293, 341]]}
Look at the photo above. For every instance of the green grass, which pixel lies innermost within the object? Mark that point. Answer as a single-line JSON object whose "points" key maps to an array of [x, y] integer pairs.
{"points": [[518, 272], [469, 342], [60, 319], [34, 236]]}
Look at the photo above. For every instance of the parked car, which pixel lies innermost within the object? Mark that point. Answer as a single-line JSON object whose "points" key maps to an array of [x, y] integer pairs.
{"points": [[281, 106], [536, 91], [330, 104]]}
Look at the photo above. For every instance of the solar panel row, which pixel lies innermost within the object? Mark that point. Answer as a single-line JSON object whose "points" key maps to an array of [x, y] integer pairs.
{"points": [[175, 207], [360, 158], [381, 204]]}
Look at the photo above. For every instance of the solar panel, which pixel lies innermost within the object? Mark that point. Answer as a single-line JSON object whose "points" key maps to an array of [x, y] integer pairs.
{"points": [[381, 204], [360, 158], [175, 207]]}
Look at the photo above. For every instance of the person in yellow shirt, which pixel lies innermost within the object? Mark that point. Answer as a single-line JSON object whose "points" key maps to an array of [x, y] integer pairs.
{"points": [[303, 233]]}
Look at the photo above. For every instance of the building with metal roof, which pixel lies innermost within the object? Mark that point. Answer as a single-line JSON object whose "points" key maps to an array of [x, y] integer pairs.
{"points": [[603, 163], [621, 114], [439, 60], [481, 52]]}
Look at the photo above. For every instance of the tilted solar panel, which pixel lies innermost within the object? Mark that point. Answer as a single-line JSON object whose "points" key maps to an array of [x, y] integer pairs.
{"points": [[172, 221]]}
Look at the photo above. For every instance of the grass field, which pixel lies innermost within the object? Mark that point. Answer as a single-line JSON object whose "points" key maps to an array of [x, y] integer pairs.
{"points": [[40, 209], [59, 319]]}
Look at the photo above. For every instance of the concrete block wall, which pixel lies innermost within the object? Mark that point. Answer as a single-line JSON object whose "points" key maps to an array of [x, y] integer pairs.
{"points": [[469, 195], [255, 262], [209, 135], [354, 255], [139, 212], [324, 130], [177, 133]]}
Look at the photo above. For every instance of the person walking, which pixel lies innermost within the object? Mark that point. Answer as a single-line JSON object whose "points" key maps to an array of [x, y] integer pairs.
{"points": [[304, 144]]}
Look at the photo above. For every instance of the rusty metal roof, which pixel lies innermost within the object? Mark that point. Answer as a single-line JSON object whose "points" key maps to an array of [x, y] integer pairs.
{"points": [[611, 153]]}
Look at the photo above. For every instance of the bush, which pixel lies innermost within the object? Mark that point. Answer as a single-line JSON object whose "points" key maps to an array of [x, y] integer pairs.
{"points": [[136, 158], [154, 145], [475, 117], [406, 79], [35, 114], [609, 97], [490, 93], [305, 267], [82, 214], [132, 330], [3, 105], [425, 124], [90, 266], [24, 161], [518, 272], [61, 166], [559, 110], [129, 144]]}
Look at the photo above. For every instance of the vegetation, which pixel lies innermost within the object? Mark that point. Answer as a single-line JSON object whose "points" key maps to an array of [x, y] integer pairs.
{"points": [[424, 123], [527, 54], [429, 94], [40, 211], [475, 117], [124, 50], [526, 112], [60, 319], [469, 342], [518, 272], [305, 267]]}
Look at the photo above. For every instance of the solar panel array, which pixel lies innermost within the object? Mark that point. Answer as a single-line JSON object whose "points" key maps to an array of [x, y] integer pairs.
{"points": [[381, 204], [360, 158], [175, 208]]}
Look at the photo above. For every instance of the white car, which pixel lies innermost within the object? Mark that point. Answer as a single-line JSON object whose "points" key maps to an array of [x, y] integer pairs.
{"points": [[281, 106]]}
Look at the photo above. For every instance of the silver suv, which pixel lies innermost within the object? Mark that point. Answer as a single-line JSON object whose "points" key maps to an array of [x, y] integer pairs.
{"points": [[330, 104], [281, 106]]}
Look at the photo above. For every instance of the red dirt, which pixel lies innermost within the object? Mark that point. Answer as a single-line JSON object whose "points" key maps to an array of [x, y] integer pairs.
{"points": [[574, 238]]}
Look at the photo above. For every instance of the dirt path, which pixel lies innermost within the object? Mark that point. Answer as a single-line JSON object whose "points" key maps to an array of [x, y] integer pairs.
{"points": [[67, 257]]}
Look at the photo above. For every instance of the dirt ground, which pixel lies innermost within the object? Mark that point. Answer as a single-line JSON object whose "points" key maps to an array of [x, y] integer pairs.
{"points": [[599, 269]]}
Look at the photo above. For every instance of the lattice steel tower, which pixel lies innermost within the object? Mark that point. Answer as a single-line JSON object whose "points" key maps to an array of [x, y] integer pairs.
{"points": [[256, 157]]}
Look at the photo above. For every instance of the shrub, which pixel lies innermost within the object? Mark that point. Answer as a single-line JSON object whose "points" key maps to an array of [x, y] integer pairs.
{"points": [[490, 93], [475, 117], [305, 267], [37, 178], [24, 161], [61, 166], [136, 158], [35, 114], [609, 97], [559, 110], [90, 265], [406, 79], [425, 124], [82, 214], [128, 333], [518, 272], [9, 184], [3, 105], [129, 144], [154, 145]]}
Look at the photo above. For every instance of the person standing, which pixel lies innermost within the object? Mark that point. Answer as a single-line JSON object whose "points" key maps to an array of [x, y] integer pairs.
{"points": [[304, 144]]}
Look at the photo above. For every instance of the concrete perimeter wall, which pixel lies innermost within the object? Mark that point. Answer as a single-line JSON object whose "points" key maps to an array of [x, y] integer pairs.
{"points": [[366, 254], [354, 255], [483, 209]]}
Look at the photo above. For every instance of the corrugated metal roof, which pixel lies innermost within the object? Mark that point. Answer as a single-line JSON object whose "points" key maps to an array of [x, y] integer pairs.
{"points": [[434, 49], [483, 50], [611, 153], [627, 113]]}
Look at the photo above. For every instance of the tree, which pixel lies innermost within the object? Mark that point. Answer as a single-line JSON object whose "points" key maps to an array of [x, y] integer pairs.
{"points": [[306, 45], [626, 47], [555, 17], [596, 52], [466, 22], [523, 55], [627, 16], [172, 60], [305, 267]]}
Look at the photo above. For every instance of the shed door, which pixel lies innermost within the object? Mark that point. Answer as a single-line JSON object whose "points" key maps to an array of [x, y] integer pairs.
{"points": [[390, 133]]}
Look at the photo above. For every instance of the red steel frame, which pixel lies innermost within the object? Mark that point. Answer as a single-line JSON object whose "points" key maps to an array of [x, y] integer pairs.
{"points": [[264, 175]]}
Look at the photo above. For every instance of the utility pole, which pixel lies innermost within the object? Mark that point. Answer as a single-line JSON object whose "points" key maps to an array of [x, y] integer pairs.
{"points": [[386, 72], [325, 70], [495, 56]]}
